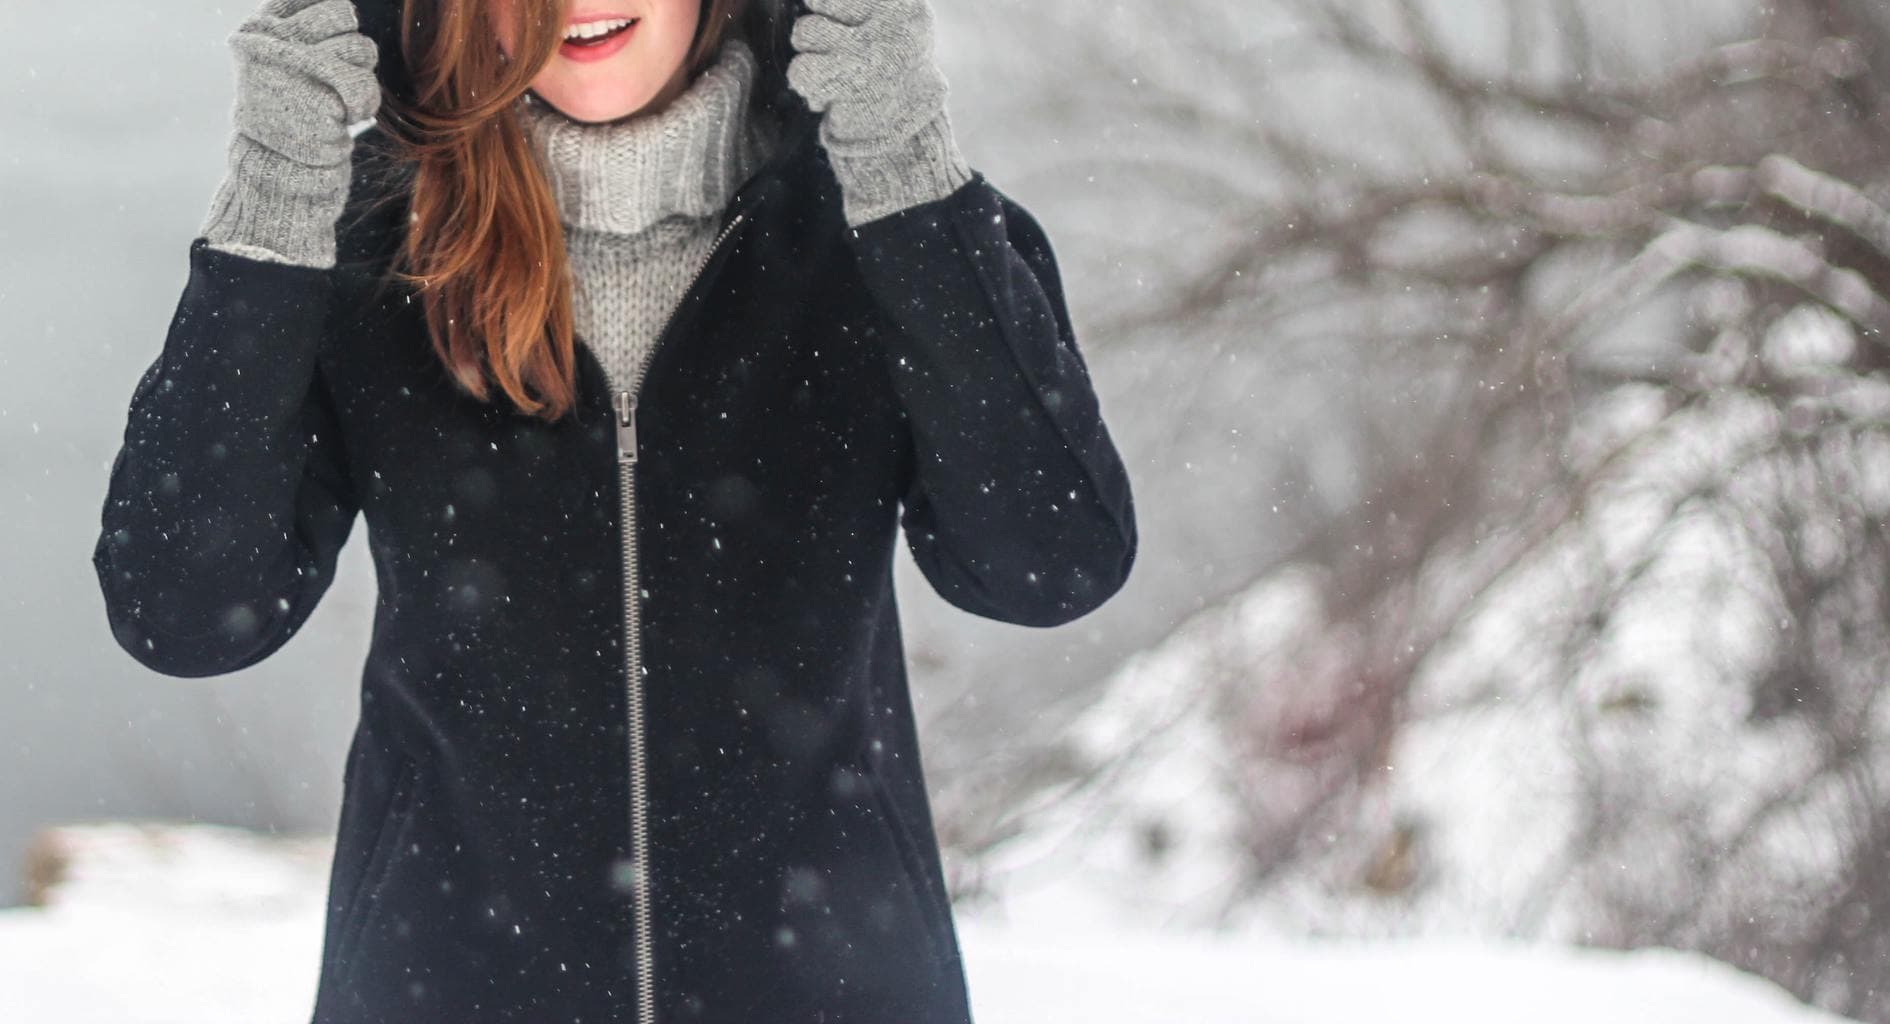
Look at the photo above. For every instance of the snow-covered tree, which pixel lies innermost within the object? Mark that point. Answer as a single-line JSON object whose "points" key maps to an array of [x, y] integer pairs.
{"points": [[1589, 302]]}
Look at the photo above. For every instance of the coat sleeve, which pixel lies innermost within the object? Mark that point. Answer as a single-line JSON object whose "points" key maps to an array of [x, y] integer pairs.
{"points": [[1016, 504], [229, 498]]}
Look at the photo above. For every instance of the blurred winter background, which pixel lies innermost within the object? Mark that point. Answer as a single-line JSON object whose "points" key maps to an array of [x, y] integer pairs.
{"points": [[1505, 386]]}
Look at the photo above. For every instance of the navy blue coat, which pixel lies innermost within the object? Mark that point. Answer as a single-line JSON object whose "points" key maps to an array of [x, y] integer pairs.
{"points": [[706, 805]]}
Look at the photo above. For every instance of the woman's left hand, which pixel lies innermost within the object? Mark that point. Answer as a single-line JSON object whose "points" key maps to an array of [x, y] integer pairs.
{"points": [[869, 65]]}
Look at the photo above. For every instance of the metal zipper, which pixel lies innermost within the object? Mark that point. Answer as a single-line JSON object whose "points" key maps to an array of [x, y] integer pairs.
{"points": [[626, 402]]}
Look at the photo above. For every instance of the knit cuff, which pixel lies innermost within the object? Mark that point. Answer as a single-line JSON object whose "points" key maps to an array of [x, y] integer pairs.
{"points": [[269, 202], [254, 252], [919, 169]]}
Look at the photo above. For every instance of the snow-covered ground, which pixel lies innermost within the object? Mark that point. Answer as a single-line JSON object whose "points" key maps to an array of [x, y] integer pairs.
{"points": [[219, 926]]}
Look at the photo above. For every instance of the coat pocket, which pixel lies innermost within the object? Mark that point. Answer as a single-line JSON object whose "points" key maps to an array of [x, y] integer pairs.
{"points": [[852, 911], [386, 842]]}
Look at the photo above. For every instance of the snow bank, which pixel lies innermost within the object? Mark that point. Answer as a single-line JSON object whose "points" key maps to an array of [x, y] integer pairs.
{"points": [[174, 924]]}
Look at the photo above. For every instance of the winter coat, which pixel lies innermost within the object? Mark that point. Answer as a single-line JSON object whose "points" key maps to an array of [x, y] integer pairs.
{"points": [[562, 804]]}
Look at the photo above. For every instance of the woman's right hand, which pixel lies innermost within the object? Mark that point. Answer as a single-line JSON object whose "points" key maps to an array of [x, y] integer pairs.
{"points": [[305, 72]]}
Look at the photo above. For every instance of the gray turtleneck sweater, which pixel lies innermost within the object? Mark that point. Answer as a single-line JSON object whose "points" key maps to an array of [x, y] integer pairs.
{"points": [[640, 200]]}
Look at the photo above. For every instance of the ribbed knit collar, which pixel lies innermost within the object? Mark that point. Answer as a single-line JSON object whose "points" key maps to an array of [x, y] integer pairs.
{"points": [[688, 158]]}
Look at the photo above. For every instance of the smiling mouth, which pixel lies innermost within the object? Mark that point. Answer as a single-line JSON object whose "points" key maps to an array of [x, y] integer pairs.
{"points": [[586, 42]]}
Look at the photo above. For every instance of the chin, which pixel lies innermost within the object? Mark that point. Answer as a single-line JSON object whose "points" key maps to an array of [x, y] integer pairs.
{"points": [[598, 110]]}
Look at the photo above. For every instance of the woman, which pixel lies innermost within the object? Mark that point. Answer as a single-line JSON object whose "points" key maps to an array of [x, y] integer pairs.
{"points": [[634, 352]]}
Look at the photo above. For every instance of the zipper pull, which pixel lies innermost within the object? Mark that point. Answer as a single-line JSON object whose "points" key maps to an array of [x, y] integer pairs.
{"points": [[626, 426]]}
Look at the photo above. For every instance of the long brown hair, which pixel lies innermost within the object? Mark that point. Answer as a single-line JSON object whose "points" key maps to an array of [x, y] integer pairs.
{"points": [[484, 246]]}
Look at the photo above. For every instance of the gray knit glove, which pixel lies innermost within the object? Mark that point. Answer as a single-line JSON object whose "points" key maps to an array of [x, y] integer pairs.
{"points": [[304, 74], [868, 64]]}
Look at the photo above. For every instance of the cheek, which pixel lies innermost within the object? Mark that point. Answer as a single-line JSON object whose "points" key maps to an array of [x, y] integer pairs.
{"points": [[680, 15]]}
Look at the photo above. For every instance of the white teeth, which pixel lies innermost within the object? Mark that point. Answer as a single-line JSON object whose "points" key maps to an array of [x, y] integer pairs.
{"points": [[593, 29]]}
